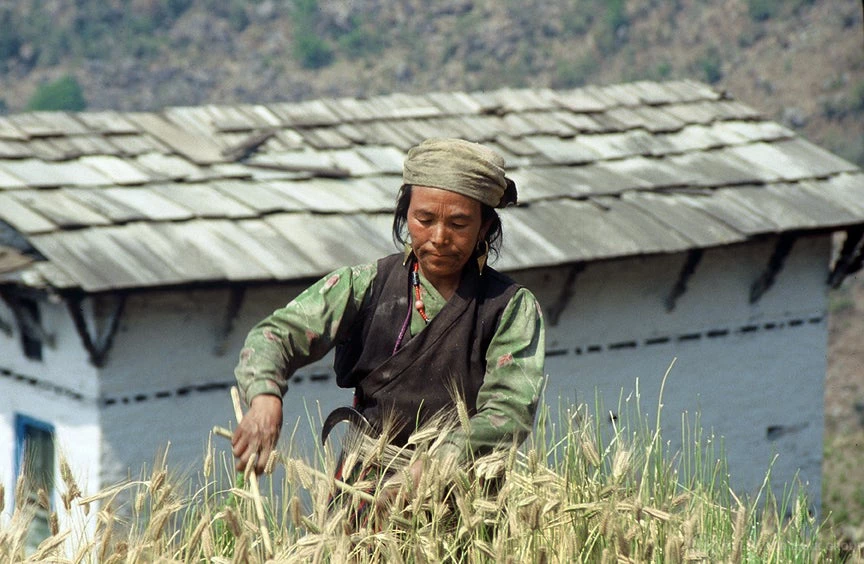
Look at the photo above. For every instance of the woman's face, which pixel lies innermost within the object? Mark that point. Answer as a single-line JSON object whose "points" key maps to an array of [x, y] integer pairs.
{"points": [[445, 228]]}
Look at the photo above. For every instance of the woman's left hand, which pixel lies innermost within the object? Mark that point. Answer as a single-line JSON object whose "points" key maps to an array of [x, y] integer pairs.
{"points": [[389, 492], [258, 432]]}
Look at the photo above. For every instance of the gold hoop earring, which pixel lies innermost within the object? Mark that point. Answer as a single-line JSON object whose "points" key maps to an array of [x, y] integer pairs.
{"points": [[481, 258], [406, 253]]}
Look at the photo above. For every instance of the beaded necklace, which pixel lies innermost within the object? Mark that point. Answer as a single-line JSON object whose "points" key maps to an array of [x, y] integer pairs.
{"points": [[418, 303]]}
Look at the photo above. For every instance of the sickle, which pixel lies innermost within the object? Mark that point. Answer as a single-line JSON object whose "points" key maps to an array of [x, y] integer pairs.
{"points": [[349, 414]]}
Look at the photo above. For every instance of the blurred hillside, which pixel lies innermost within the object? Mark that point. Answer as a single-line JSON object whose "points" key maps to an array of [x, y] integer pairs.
{"points": [[798, 61]]}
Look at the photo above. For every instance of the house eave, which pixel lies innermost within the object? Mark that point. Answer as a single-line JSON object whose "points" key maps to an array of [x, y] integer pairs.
{"points": [[30, 278]]}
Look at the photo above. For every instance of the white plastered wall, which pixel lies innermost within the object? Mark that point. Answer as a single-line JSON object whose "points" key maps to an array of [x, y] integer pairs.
{"points": [[64, 361], [58, 390], [164, 383], [753, 372]]}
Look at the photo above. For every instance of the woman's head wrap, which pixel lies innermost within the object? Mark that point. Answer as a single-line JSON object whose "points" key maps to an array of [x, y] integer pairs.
{"points": [[460, 166]]}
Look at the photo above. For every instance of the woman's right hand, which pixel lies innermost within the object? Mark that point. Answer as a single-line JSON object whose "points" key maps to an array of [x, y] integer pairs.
{"points": [[258, 432]]}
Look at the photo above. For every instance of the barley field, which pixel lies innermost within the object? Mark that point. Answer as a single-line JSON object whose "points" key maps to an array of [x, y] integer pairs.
{"points": [[570, 494]]}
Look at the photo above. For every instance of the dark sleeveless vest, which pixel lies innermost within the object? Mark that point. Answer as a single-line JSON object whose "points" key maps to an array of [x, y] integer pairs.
{"points": [[414, 383]]}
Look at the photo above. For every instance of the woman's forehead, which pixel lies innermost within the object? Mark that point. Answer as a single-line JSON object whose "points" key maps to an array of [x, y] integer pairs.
{"points": [[433, 199]]}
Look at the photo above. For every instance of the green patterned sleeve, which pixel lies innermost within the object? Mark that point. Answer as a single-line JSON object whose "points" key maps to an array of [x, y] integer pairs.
{"points": [[507, 400], [301, 332]]}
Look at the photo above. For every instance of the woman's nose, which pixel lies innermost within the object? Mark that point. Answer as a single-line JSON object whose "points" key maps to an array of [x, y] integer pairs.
{"points": [[439, 234]]}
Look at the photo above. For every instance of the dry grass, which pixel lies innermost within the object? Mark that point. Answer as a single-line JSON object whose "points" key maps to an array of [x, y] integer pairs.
{"points": [[569, 495]]}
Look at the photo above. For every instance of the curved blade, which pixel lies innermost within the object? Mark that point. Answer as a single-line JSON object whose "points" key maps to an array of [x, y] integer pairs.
{"points": [[341, 414]]}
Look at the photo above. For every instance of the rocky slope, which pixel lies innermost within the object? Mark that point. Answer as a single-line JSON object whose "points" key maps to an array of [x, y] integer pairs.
{"points": [[798, 61]]}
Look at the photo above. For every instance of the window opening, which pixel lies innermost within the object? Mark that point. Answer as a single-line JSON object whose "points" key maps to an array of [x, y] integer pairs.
{"points": [[34, 458]]}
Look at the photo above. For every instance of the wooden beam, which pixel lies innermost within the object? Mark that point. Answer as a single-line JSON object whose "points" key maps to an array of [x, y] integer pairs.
{"points": [[554, 310], [851, 257], [97, 346], [694, 257], [774, 266], [27, 323], [5, 326], [236, 297]]}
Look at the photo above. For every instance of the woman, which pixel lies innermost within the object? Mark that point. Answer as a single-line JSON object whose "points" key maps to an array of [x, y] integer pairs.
{"points": [[412, 326]]}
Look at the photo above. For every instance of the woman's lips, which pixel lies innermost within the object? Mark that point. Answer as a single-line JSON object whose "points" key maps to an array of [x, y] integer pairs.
{"points": [[438, 256]]}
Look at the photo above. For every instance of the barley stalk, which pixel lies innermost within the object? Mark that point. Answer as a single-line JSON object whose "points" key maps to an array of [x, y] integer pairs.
{"points": [[106, 535], [72, 489], [43, 501], [157, 480], [82, 552], [109, 492], [690, 526], [235, 402], [259, 506], [296, 510], [231, 520], [47, 547], [208, 458], [272, 460], [673, 551], [20, 493], [156, 527], [738, 533], [241, 549], [207, 545], [53, 523], [197, 533]]}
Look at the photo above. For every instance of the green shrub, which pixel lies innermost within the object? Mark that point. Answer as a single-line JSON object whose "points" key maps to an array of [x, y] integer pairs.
{"points": [[837, 107], [572, 73], [233, 11], [750, 35], [164, 13], [10, 40], [237, 16], [858, 97], [711, 65], [474, 61], [62, 94], [614, 18], [577, 19], [361, 41], [761, 10], [663, 70], [313, 51]]}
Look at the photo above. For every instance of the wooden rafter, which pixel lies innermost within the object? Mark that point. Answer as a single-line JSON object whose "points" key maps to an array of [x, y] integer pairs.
{"points": [[775, 265], [27, 323], [553, 311], [236, 297], [694, 257], [851, 257], [97, 346]]}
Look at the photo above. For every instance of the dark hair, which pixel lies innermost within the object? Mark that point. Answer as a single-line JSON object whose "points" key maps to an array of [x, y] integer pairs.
{"points": [[494, 235]]}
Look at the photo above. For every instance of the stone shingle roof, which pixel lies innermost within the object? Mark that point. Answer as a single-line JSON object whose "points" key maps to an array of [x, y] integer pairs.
{"points": [[112, 200]]}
